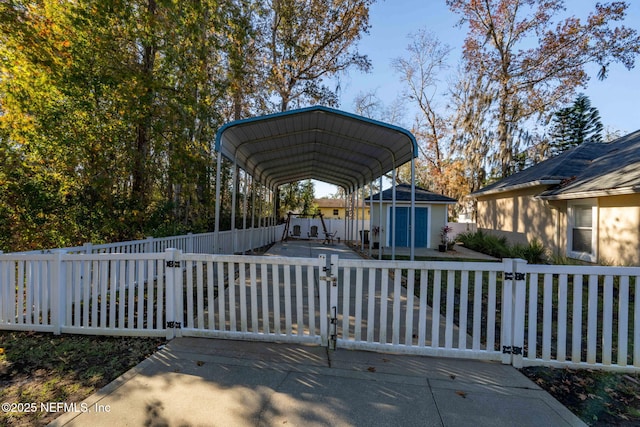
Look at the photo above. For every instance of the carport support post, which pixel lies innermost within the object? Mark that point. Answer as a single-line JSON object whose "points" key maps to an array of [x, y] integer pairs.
{"points": [[356, 224], [380, 221], [245, 207], [393, 215], [259, 233], [216, 237], [413, 208], [370, 217], [234, 183], [364, 205], [346, 215], [253, 213], [350, 215]]}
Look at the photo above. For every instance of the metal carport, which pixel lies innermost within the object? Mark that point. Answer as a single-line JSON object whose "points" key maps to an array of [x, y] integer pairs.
{"points": [[317, 142]]}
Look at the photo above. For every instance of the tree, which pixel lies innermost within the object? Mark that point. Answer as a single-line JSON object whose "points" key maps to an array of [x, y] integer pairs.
{"points": [[307, 197], [246, 70], [575, 124], [419, 71], [535, 62], [297, 197], [368, 104], [309, 40], [108, 109], [471, 141]]}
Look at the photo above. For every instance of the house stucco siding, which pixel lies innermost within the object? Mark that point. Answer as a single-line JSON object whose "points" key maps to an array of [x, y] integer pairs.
{"points": [[522, 217], [619, 229]]}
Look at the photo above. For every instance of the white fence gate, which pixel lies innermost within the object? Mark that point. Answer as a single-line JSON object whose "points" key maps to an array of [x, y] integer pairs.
{"points": [[256, 298], [522, 314]]}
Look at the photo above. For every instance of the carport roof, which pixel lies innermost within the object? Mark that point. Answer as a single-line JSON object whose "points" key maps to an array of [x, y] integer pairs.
{"points": [[318, 142]]}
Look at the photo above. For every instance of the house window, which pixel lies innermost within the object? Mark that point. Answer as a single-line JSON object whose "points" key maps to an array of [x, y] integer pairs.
{"points": [[335, 212], [582, 230]]}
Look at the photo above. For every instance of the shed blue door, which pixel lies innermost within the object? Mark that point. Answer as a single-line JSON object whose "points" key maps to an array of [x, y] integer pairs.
{"points": [[421, 228], [401, 234]]}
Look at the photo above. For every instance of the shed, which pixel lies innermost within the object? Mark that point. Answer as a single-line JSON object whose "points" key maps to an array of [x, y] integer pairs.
{"points": [[430, 213]]}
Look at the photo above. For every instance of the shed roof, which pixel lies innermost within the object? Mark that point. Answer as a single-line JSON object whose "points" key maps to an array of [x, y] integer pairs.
{"points": [[317, 142], [403, 194]]}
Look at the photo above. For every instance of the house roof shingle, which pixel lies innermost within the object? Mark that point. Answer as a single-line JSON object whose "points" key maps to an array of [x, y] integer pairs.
{"points": [[588, 170]]}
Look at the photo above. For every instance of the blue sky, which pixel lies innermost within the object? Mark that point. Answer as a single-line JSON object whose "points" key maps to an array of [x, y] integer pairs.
{"points": [[391, 21]]}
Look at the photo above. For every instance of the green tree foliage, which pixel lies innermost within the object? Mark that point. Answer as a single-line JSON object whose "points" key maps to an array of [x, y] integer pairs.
{"points": [[111, 104], [307, 197], [309, 40], [109, 108], [297, 197], [575, 124]]}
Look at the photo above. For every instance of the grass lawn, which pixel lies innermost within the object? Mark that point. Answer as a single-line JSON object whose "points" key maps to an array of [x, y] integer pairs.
{"points": [[41, 368]]}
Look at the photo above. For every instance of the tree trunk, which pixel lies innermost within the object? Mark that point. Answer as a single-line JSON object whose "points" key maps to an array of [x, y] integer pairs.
{"points": [[504, 142], [140, 178]]}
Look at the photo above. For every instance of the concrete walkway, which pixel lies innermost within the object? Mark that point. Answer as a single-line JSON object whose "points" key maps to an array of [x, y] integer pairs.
{"points": [[204, 382], [195, 381]]}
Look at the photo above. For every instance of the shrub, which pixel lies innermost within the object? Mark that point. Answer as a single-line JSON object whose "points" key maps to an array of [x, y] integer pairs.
{"points": [[498, 246], [534, 252]]}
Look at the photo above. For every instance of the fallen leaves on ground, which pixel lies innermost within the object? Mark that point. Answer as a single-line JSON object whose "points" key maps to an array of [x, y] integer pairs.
{"points": [[598, 398], [39, 367]]}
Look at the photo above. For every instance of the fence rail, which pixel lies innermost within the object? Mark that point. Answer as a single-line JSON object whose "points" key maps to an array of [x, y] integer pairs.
{"points": [[229, 242], [585, 317]]}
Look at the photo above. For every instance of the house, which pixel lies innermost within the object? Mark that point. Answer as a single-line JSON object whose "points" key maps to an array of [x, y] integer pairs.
{"points": [[583, 203], [335, 209], [431, 217]]}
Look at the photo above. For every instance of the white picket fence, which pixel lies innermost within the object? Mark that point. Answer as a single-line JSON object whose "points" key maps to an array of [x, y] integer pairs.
{"points": [[577, 316], [229, 242], [521, 314]]}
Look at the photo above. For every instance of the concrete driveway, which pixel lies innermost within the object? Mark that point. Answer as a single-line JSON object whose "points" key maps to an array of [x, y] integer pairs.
{"points": [[206, 382]]}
